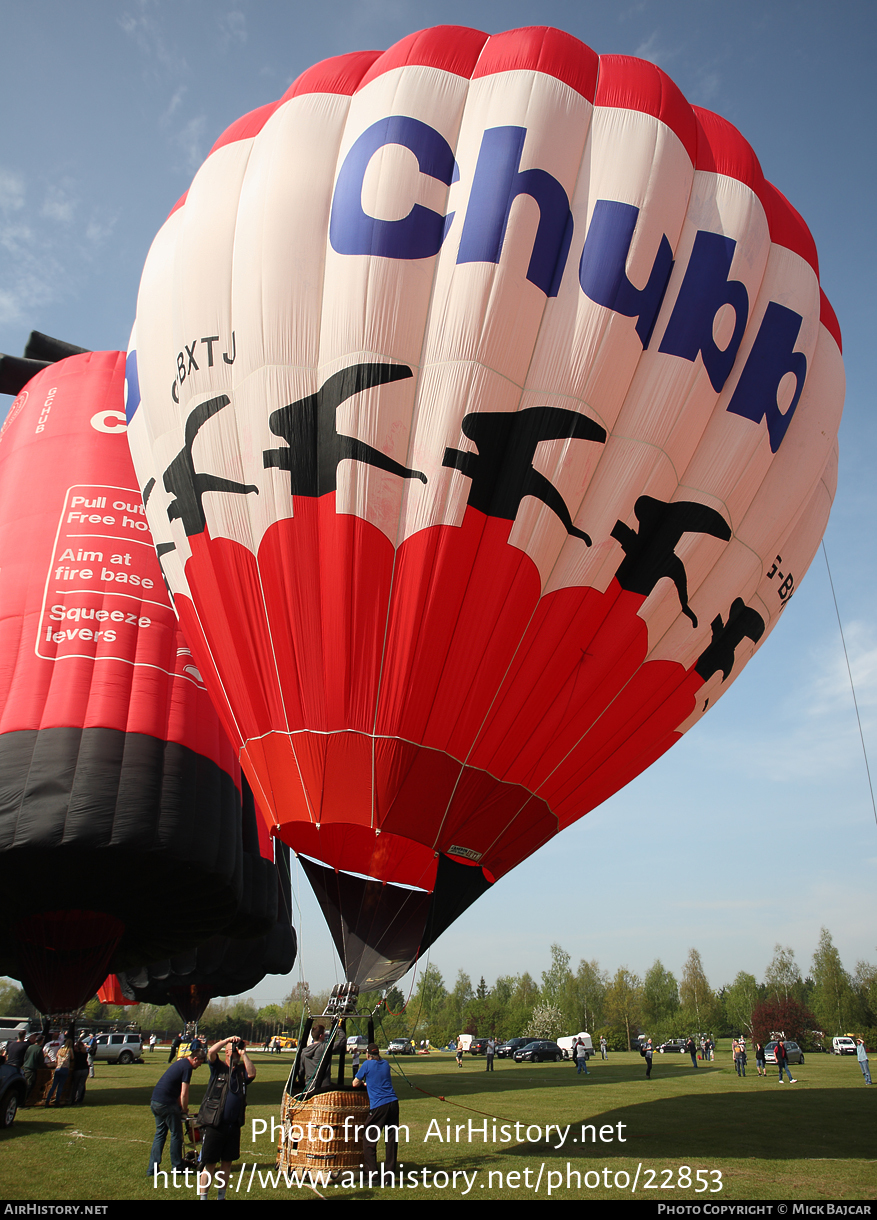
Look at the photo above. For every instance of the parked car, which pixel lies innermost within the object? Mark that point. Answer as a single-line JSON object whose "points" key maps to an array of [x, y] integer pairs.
{"points": [[119, 1048], [537, 1052], [506, 1050], [478, 1046], [400, 1046], [843, 1046], [676, 1046], [13, 1090], [794, 1053]]}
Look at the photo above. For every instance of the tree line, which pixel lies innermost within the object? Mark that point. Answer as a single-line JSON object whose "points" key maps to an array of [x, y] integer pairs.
{"points": [[829, 1000]]}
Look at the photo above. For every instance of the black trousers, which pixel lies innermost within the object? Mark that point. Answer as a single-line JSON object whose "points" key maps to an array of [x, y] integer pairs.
{"points": [[385, 1118]]}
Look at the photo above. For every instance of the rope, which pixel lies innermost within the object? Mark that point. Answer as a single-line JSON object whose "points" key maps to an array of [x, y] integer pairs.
{"points": [[852, 686], [438, 1096]]}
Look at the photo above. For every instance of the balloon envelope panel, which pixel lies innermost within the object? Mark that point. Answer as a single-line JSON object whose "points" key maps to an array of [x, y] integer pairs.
{"points": [[488, 401], [120, 807]]}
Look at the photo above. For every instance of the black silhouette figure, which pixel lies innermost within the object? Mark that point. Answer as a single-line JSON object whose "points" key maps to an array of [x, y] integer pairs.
{"points": [[649, 554], [187, 485], [743, 623], [502, 470], [315, 445]]}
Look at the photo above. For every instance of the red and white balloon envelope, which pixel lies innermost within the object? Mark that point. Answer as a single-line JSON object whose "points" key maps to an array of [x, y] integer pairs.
{"points": [[485, 403]]}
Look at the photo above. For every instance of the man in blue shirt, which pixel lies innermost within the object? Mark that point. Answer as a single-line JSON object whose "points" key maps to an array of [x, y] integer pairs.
{"points": [[383, 1114], [862, 1056], [170, 1100]]}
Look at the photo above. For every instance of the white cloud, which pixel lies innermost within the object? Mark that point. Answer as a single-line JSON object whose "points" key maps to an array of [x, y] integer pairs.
{"points": [[12, 191], [44, 249], [831, 686], [140, 25], [232, 28], [100, 228], [708, 85], [59, 204], [191, 139], [174, 103], [654, 51]]}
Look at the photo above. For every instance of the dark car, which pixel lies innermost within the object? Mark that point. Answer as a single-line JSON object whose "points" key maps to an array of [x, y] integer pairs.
{"points": [[536, 1052], [478, 1046], [13, 1090], [507, 1049], [676, 1046]]}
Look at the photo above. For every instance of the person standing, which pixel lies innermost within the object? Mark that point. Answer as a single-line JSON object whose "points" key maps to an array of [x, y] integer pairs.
{"points": [[580, 1055], [760, 1063], [604, 1047], [383, 1114], [862, 1056], [170, 1101], [491, 1051], [80, 1073], [648, 1052], [33, 1061], [691, 1047], [316, 1059], [459, 1052], [221, 1121], [783, 1062], [91, 1046], [63, 1064], [17, 1049], [740, 1057]]}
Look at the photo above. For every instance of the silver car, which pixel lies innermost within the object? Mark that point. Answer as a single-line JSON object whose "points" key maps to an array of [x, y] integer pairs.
{"points": [[793, 1052], [119, 1048]]}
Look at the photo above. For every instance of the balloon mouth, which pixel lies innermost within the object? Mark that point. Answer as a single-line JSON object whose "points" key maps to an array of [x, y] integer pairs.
{"points": [[64, 956], [379, 928], [352, 872]]}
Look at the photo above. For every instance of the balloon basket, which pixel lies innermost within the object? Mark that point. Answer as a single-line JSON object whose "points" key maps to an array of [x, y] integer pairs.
{"points": [[318, 1133]]}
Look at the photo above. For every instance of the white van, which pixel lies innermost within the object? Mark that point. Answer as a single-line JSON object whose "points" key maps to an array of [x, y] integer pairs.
{"points": [[566, 1044], [843, 1046]]}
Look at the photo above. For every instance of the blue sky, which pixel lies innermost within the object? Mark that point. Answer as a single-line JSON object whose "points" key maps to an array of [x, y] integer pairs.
{"points": [[758, 827]]}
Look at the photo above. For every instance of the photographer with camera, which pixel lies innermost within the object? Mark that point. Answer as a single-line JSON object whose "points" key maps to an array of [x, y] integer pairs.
{"points": [[223, 1112]]}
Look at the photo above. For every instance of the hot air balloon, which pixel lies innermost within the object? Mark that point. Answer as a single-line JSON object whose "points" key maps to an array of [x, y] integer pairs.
{"points": [[488, 400], [120, 805], [226, 965]]}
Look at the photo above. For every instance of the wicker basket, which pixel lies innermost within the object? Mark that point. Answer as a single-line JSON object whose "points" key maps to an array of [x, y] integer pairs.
{"points": [[313, 1131]]}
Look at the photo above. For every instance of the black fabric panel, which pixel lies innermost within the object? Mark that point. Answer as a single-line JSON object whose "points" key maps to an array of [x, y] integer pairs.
{"points": [[222, 965], [143, 830], [257, 910], [377, 928], [15, 373], [457, 886], [44, 347], [380, 929]]}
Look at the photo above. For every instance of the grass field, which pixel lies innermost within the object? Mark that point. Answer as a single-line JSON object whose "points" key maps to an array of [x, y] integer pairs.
{"points": [[754, 1138]]}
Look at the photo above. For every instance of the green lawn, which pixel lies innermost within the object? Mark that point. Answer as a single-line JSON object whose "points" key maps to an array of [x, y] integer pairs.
{"points": [[812, 1140]]}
